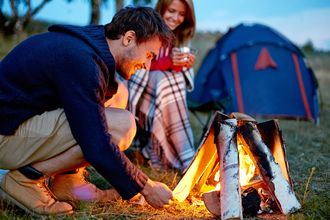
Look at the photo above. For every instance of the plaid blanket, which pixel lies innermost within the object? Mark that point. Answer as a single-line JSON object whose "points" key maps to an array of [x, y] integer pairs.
{"points": [[158, 100]]}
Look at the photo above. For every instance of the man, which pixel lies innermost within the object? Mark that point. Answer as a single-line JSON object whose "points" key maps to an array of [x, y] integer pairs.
{"points": [[53, 87]]}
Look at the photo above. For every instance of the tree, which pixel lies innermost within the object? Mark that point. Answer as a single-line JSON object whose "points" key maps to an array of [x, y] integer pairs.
{"points": [[119, 4], [141, 2], [95, 11], [97, 4], [17, 21], [308, 48]]}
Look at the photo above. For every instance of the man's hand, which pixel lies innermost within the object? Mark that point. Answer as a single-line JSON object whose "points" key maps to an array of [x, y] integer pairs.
{"points": [[157, 194]]}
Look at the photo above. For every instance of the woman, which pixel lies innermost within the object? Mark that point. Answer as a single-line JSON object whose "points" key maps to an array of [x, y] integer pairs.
{"points": [[158, 97]]}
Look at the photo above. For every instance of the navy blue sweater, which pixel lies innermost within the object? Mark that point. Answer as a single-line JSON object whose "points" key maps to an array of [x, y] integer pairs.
{"points": [[72, 68]]}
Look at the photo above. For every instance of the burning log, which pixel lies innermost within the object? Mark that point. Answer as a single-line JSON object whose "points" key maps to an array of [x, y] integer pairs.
{"points": [[270, 171], [272, 137], [238, 154], [204, 158], [212, 167], [230, 193], [251, 202]]}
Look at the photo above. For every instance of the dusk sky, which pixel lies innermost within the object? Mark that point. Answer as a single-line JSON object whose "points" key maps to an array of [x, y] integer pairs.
{"points": [[298, 20]]}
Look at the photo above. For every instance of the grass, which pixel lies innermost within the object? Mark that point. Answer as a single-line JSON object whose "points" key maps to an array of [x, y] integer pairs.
{"points": [[308, 153], [6, 44]]}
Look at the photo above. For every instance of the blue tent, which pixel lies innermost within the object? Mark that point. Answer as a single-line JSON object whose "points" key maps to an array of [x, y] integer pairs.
{"points": [[255, 70]]}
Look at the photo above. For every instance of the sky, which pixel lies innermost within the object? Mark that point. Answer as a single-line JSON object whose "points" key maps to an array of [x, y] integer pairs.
{"points": [[299, 20]]}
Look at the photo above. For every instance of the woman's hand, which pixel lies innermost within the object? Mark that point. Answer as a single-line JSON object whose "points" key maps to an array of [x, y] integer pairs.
{"points": [[184, 59]]}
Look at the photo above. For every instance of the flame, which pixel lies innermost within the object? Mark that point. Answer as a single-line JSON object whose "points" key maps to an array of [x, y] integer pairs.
{"points": [[246, 166], [217, 178]]}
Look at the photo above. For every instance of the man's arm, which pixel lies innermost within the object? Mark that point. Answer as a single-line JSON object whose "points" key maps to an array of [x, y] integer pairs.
{"points": [[79, 85], [81, 94]]}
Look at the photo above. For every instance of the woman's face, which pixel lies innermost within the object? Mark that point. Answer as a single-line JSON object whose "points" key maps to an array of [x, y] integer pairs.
{"points": [[175, 14]]}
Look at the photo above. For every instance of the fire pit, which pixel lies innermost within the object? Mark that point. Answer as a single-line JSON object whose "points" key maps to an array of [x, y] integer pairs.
{"points": [[240, 167]]}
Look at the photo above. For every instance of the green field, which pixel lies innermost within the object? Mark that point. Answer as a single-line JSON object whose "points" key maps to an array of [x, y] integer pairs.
{"points": [[308, 154]]}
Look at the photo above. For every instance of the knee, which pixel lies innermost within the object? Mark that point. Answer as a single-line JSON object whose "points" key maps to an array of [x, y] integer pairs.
{"points": [[128, 130], [76, 152], [120, 99], [122, 127]]}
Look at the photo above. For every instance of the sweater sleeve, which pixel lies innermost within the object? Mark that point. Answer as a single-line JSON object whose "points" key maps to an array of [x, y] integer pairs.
{"points": [[164, 62], [80, 93]]}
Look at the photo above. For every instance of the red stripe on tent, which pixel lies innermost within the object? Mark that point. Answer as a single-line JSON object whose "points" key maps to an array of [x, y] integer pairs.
{"points": [[237, 82], [301, 86]]}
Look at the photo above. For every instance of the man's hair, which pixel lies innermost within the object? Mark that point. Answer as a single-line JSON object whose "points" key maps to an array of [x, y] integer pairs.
{"points": [[144, 21]]}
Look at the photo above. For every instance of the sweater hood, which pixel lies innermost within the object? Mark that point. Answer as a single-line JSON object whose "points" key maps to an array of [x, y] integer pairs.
{"points": [[94, 36]]}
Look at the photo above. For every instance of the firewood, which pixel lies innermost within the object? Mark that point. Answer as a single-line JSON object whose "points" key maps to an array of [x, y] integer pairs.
{"points": [[213, 164], [272, 137], [204, 157], [270, 171], [230, 193], [212, 202]]}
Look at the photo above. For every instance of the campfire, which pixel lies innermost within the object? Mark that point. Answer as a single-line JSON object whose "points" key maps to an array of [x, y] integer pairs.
{"points": [[241, 169]]}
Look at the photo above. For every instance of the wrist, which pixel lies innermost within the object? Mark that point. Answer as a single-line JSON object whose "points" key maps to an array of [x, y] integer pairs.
{"points": [[147, 188]]}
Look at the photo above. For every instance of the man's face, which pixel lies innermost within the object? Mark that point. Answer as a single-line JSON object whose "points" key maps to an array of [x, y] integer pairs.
{"points": [[137, 56]]}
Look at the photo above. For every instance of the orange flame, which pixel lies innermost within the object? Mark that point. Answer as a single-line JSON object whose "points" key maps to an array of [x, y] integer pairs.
{"points": [[247, 168]]}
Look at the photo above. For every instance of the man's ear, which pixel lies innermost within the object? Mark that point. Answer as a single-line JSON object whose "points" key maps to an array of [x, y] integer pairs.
{"points": [[129, 38]]}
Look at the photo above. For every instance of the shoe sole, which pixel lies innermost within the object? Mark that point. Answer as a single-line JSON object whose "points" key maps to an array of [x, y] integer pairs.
{"points": [[5, 196]]}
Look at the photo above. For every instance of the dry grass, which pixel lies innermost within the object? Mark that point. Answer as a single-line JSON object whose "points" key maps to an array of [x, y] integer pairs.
{"points": [[192, 208]]}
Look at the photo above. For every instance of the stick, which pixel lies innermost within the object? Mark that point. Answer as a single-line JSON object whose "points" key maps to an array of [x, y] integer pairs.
{"points": [[307, 184]]}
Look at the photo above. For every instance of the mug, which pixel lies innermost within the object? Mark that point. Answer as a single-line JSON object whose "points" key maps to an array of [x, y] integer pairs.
{"points": [[188, 50]]}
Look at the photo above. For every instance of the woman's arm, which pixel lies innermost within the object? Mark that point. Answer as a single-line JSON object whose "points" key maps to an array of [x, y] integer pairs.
{"points": [[174, 60]]}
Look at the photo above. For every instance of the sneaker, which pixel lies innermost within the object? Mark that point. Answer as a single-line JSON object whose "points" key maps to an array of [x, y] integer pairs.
{"points": [[33, 196], [74, 187]]}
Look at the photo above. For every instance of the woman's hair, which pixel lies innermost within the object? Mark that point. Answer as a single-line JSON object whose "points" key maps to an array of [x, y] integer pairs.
{"points": [[185, 31], [144, 21]]}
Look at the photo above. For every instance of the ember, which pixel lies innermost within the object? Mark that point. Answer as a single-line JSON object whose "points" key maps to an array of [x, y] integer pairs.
{"points": [[240, 165]]}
